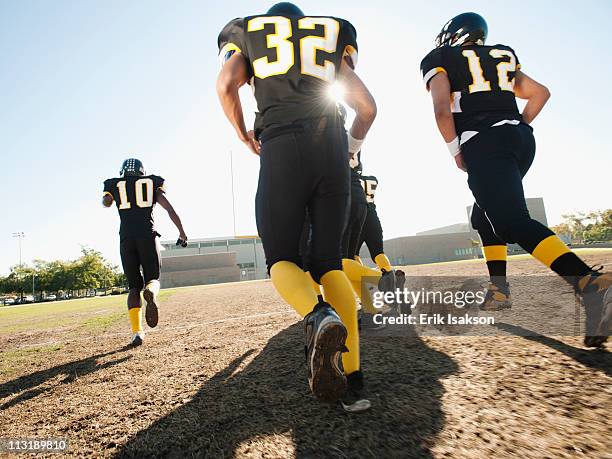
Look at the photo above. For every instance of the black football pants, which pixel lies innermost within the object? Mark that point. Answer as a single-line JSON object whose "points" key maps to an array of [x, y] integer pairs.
{"points": [[140, 253], [372, 233], [354, 225], [497, 160], [304, 169]]}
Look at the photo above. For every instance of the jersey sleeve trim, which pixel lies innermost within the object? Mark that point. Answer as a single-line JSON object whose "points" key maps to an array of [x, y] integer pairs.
{"points": [[109, 194], [351, 53], [228, 51], [433, 72]]}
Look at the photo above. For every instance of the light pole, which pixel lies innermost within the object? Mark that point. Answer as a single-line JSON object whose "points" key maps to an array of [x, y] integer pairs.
{"points": [[20, 235]]}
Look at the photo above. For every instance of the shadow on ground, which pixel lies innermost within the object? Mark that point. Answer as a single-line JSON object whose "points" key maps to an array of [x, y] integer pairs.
{"points": [[269, 396], [597, 359], [34, 384]]}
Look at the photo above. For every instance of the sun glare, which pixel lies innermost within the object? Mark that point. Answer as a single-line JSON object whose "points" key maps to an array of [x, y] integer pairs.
{"points": [[336, 91]]}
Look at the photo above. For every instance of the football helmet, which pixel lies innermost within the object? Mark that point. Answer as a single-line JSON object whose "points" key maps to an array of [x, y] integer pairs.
{"points": [[285, 9], [467, 27], [132, 166]]}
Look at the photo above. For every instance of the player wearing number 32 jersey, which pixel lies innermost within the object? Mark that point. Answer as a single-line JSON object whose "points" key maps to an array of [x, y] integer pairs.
{"points": [[136, 194], [474, 88], [290, 60]]}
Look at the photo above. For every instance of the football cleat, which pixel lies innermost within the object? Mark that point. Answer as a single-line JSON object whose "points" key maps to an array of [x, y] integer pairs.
{"points": [[595, 293], [137, 339], [497, 298], [325, 341], [355, 401], [151, 311]]}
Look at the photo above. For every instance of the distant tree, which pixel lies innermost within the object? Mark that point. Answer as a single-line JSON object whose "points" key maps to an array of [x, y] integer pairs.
{"points": [[591, 226]]}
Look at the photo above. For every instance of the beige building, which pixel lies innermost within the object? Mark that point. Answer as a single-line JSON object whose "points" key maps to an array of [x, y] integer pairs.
{"points": [[212, 260]]}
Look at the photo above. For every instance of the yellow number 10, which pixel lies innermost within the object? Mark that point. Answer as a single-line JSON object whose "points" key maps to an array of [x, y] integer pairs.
{"points": [[309, 46]]}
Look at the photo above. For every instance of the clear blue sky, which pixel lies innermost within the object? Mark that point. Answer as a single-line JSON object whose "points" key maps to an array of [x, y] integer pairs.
{"points": [[87, 83]]}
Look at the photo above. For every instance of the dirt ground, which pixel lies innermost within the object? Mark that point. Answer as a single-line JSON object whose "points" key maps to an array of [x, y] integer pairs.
{"points": [[223, 375]]}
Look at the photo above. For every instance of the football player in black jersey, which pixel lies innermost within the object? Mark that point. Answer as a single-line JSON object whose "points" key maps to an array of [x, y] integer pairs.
{"points": [[474, 88], [135, 194], [291, 60]]}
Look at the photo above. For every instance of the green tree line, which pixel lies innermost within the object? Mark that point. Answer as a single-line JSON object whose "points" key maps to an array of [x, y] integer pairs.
{"points": [[90, 271], [587, 227]]}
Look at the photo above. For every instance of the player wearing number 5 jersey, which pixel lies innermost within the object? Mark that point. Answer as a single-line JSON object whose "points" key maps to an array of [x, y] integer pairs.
{"points": [[291, 60], [136, 194], [474, 88]]}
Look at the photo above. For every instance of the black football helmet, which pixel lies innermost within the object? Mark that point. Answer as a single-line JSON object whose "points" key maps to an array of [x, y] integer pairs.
{"points": [[285, 9], [467, 27], [132, 166]]}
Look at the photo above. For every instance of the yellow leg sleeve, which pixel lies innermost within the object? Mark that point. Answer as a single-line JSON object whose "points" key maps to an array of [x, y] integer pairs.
{"points": [[549, 249], [135, 319], [342, 298], [366, 299], [295, 286], [316, 286], [383, 262], [354, 271], [495, 252]]}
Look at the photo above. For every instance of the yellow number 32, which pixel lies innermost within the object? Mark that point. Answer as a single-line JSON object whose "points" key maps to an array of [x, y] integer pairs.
{"points": [[309, 46]]}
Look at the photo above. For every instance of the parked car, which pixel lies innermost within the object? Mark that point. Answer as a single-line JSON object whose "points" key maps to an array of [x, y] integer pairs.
{"points": [[51, 297], [9, 301], [28, 299]]}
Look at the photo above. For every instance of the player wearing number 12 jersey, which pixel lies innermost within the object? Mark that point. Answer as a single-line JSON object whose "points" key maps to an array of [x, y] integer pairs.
{"points": [[474, 88], [136, 194], [290, 60]]}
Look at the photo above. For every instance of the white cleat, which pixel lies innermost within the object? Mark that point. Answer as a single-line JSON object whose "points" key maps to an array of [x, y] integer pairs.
{"points": [[137, 339]]}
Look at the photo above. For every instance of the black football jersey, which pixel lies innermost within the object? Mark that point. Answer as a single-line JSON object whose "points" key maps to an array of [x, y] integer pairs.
{"points": [[482, 83], [369, 184], [292, 62], [135, 197]]}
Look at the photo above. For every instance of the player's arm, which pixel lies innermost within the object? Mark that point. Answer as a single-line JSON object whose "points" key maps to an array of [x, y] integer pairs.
{"points": [[234, 74], [359, 98], [536, 94], [163, 201], [440, 89]]}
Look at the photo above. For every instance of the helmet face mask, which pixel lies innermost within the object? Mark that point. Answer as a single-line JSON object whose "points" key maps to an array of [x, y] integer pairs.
{"points": [[132, 167], [462, 29], [285, 9]]}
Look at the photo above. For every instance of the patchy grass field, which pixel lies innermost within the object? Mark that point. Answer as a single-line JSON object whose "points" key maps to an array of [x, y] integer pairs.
{"points": [[223, 375]]}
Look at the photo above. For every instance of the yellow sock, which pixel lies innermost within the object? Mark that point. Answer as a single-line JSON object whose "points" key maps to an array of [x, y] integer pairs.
{"points": [[316, 286], [549, 249], [295, 286], [366, 299], [342, 298], [135, 319], [354, 271], [358, 259], [383, 262], [495, 252]]}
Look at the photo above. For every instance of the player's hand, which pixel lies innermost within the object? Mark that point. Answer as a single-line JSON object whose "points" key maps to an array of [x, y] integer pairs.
{"points": [[182, 240], [252, 143], [460, 163]]}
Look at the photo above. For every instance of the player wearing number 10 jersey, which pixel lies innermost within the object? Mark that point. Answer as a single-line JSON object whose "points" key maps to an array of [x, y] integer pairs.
{"points": [[135, 194], [474, 88], [290, 60]]}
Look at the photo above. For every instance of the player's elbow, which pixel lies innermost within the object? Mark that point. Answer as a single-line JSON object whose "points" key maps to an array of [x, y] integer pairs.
{"points": [[107, 201], [544, 93], [368, 111]]}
